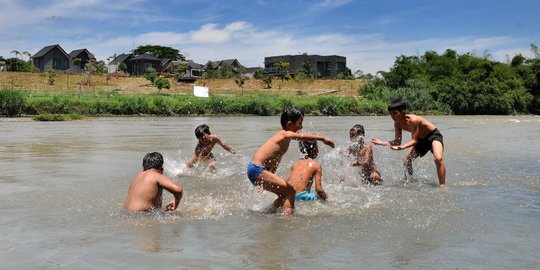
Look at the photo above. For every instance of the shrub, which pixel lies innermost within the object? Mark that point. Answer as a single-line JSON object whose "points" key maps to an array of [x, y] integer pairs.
{"points": [[11, 102]]}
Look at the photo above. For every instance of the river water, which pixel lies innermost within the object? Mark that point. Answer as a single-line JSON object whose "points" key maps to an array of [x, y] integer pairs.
{"points": [[63, 184]]}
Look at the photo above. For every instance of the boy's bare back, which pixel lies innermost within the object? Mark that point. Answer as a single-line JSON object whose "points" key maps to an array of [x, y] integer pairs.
{"points": [[270, 153], [144, 192]]}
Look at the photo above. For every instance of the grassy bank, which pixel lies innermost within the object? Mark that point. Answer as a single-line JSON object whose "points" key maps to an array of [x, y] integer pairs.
{"points": [[111, 103]]}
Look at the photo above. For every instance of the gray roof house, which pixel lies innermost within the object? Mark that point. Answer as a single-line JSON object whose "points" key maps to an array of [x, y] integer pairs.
{"points": [[193, 71], [217, 64], [52, 56], [3, 65], [122, 58], [136, 64], [320, 66], [84, 55]]}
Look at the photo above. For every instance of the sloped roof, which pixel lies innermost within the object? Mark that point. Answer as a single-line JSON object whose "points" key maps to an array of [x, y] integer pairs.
{"points": [[120, 58], [76, 53], [145, 56], [216, 64], [2, 58], [47, 49]]}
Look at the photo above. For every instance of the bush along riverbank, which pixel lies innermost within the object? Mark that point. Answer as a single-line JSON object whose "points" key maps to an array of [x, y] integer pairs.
{"points": [[18, 102]]}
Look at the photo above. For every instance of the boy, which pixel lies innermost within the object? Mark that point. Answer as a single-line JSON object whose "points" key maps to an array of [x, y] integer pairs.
{"points": [[424, 137], [146, 190], [304, 170], [203, 150], [363, 155], [261, 170]]}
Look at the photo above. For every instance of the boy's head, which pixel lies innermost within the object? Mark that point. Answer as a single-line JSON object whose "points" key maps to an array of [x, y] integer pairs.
{"points": [[356, 130], [309, 148], [153, 160], [396, 108], [201, 130], [397, 104], [291, 119]]}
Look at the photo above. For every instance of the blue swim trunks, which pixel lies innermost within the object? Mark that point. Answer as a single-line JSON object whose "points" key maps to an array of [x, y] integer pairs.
{"points": [[253, 170], [305, 196]]}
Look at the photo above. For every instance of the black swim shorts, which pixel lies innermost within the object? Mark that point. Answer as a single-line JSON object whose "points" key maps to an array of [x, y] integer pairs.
{"points": [[424, 144]]}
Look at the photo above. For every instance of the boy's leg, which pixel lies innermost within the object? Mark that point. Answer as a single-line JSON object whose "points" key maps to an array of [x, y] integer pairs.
{"points": [[437, 149], [213, 164], [408, 163], [275, 184]]}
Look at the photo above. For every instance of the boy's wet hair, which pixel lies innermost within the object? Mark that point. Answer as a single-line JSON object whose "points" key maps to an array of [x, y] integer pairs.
{"points": [[201, 130], [307, 147], [359, 129], [152, 160], [290, 114], [397, 104]]}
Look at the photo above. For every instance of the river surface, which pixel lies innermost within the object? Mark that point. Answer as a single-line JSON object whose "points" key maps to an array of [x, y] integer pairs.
{"points": [[63, 184]]}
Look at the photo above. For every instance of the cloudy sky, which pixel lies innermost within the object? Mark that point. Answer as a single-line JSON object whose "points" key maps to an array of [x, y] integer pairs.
{"points": [[370, 33]]}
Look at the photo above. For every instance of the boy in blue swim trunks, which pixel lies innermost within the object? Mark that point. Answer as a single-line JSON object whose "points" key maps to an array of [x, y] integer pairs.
{"points": [[261, 170], [304, 171], [424, 137]]}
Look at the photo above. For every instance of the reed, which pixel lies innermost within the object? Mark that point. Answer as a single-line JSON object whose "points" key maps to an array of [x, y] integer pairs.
{"points": [[111, 103]]}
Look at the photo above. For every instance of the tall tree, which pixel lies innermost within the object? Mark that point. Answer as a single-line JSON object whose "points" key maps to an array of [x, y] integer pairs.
{"points": [[16, 53], [160, 52]]}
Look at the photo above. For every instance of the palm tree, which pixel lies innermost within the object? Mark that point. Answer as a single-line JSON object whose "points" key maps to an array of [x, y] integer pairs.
{"points": [[15, 52], [27, 54]]}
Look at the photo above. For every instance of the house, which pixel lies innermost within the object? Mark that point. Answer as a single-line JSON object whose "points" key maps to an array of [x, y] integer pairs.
{"points": [[218, 64], [319, 66], [250, 72], [3, 65], [114, 65], [136, 64], [52, 56], [193, 70], [81, 57], [141, 64]]}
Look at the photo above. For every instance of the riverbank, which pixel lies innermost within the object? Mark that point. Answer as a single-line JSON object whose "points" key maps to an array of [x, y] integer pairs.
{"points": [[113, 103]]}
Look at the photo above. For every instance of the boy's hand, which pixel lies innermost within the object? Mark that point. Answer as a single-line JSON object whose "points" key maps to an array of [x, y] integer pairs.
{"points": [[396, 147], [171, 206], [328, 142]]}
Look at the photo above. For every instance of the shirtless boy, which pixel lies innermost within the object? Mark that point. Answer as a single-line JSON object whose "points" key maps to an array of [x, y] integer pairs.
{"points": [[363, 156], [424, 137], [203, 150], [261, 170], [146, 190], [304, 171]]}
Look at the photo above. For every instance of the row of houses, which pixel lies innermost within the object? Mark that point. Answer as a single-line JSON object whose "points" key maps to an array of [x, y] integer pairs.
{"points": [[55, 57]]}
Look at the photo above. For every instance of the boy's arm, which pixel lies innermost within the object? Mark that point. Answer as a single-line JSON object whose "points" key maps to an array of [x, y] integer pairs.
{"points": [[195, 157], [396, 141], [412, 142], [309, 137], [225, 146], [318, 183], [174, 189]]}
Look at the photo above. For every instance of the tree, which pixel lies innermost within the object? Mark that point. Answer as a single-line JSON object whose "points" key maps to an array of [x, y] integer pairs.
{"points": [[16, 53], [27, 54], [161, 83], [100, 67], [283, 70], [151, 75], [240, 82], [122, 67], [160, 52], [268, 81]]}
